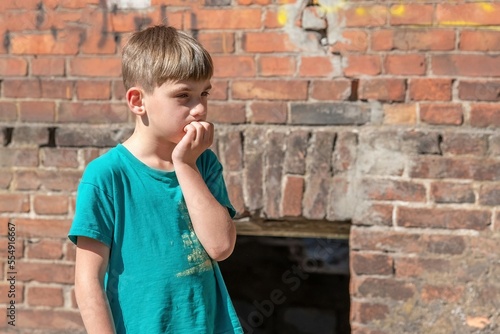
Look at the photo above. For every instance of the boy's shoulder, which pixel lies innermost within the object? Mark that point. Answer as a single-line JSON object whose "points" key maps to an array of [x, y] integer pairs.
{"points": [[103, 166]]}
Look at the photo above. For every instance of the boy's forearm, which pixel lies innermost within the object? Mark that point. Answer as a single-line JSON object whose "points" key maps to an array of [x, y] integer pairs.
{"points": [[94, 307], [211, 221]]}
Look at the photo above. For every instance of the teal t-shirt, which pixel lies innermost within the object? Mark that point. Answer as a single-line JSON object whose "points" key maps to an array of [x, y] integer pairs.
{"points": [[159, 277]]}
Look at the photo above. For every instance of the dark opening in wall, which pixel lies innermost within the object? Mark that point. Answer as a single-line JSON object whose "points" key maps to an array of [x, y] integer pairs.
{"points": [[284, 285]]}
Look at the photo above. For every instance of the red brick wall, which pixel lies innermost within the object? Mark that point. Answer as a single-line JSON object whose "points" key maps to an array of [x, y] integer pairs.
{"points": [[383, 113]]}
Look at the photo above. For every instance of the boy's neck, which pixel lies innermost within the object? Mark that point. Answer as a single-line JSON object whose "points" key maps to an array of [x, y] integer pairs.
{"points": [[151, 151]]}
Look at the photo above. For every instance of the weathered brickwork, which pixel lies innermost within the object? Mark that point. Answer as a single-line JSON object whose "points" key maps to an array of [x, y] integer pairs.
{"points": [[385, 114]]}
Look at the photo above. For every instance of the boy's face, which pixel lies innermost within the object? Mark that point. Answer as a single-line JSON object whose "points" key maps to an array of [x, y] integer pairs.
{"points": [[175, 104]]}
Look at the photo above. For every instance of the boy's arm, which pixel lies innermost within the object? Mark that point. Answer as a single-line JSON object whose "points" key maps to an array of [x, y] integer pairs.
{"points": [[211, 221], [91, 264]]}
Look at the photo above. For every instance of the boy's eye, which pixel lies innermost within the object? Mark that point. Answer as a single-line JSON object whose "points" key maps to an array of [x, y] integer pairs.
{"points": [[205, 94], [182, 96]]}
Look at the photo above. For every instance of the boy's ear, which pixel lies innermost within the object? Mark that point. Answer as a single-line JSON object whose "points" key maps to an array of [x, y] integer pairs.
{"points": [[135, 101]]}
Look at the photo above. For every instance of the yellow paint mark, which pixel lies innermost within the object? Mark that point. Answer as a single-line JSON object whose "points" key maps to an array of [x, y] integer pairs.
{"points": [[331, 9], [282, 16], [360, 11], [487, 7], [459, 23], [398, 10]]}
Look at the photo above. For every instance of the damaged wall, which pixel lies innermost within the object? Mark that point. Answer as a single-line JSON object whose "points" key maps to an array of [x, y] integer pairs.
{"points": [[383, 113]]}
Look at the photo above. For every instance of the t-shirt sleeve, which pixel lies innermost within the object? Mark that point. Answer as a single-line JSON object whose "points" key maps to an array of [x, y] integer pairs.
{"points": [[94, 214], [212, 174]]}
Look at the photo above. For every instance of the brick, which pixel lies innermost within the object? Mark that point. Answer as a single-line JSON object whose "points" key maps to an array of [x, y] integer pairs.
{"points": [[417, 142], [95, 66], [272, 18], [443, 218], [50, 204], [464, 144], [318, 113], [382, 89], [470, 65], [11, 157], [50, 319], [442, 113], [430, 89], [5, 179], [489, 194], [272, 66], [60, 157], [50, 249], [230, 148], [37, 111], [362, 65], [450, 294], [351, 41], [382, 40], [8, 111], [268, 112], [368, 16], [70, 136], [26, 180], [45, 272], [93, 90], [316, 67], [48, 66], [291, 205], [371, 264], [468, 14], [444, 244], [494, 145], [424, 40], [63, 180], [439, 168], [227, 19], [409, 64], [318, 162], [365, 313], [477, 40], [234, 66], [345, 152], [4, 292], [57, 89], [217, 42], [227, 113], [66, 42], [484, 90], [235, 193], [13, 67], [45, 296], [392, 190], [400, 114], [269, 89], [219, 90], [485, 115], [448, 192], [42, 228], [388, 288], [4, 243], [267, 42], [92, 113], [22, 88], [336, 90], [29, 136], [411, 14], [97, 41], [420, 267], [374, 215], [14, 203], [254, 140], [297, 143], [273, 173]]}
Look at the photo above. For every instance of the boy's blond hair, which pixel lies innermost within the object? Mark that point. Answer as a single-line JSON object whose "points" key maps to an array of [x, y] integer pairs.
{"points": [[159, 54]]}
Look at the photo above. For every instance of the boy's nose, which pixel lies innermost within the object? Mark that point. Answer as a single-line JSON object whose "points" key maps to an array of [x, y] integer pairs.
{"points": [[199, 110]]}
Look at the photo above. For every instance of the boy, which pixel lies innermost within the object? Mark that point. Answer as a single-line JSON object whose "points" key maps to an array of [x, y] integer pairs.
{"points": [[152, 214]]}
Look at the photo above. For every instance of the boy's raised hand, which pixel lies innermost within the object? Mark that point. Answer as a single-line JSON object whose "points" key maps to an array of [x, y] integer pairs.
{"points": [[199, 136]]}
